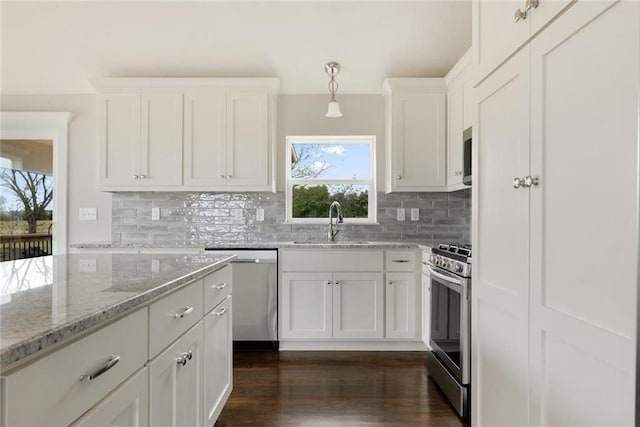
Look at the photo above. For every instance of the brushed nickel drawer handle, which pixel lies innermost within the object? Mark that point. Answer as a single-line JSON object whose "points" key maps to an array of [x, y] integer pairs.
{"points": [[221, 312], [399, 260], [221, 286], [113, 361], [185, 312]]}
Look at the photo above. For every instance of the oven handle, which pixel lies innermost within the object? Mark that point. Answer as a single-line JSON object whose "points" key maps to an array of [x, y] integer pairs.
{"points": [[446, 278]]}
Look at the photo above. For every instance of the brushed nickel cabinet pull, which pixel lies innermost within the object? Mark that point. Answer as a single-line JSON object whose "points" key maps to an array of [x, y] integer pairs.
{"points": [[113, 361]]}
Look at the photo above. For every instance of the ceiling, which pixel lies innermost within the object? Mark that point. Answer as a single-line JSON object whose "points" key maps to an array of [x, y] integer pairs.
{"points": [[57, 47]]}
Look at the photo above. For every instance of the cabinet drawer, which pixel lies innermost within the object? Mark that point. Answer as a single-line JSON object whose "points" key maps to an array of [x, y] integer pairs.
{"points": [[173, 315], [332, 260], [50, 391], [217, 286], [400, 261]]}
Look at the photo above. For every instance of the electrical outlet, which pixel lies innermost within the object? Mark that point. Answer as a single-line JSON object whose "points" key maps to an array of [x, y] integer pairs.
{"points": [[88, 214], [87, 266], [260, 215], [155, 265], [155, 214], [400, 214], [415, 214]]}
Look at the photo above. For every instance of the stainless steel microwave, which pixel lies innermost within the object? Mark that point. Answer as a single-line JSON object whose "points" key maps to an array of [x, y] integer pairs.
{"points": [[466, 138]]}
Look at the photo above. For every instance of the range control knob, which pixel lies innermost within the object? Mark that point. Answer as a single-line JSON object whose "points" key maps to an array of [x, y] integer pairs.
{"points": [[458, 268]]}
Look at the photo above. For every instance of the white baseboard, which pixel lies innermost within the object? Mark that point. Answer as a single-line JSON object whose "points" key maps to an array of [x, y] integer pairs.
{"points": [[352, 346]]}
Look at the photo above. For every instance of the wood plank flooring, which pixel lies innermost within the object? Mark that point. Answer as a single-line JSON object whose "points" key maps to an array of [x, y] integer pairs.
{"points": [[335, 389]]}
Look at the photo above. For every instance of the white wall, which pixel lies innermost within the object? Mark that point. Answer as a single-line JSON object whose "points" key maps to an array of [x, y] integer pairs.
{"points": [[82, 161], [304, 115]]}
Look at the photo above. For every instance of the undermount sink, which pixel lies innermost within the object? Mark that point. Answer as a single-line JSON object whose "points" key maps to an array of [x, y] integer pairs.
{"points": [[339, 242]]}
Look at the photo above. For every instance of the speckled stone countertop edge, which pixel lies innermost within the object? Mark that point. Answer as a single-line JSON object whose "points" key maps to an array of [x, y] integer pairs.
{"points": [[15, 355], [255, 245]]}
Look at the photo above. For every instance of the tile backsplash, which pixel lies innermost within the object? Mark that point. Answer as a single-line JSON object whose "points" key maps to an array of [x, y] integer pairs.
{"points": [[205, 218]]}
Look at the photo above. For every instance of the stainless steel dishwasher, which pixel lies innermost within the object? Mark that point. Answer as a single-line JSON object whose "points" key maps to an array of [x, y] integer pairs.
{"points": [[255, 298]]}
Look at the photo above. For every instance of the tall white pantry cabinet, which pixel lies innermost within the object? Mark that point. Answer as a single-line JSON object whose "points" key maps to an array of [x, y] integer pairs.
{"points": [[555, 218]]}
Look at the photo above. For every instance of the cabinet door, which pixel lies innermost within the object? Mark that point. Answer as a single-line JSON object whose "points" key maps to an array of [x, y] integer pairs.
{"points": [[218, 360], [500, 295], [248, 142], [161, 139], [126, 406], [204, 138], [307, 305], [400, 298], [455, 109], [418, 142], [357, 305], [119, 139], [584, 151], [175, 383], [547, 10], [496, 34]]}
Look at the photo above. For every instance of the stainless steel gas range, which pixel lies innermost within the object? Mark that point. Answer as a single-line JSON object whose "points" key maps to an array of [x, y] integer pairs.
{"points": [[449, 362]]}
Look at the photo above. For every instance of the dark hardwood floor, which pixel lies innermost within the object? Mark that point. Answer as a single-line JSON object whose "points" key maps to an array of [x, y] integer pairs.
{"points": [[335, 389]]}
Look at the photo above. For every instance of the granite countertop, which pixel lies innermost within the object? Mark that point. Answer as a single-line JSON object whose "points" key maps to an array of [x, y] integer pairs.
{"points": [[47, 300], [343, 244]]}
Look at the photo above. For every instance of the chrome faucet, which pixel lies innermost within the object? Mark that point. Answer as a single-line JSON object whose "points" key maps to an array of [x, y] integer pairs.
{"points": [[333, 228]]}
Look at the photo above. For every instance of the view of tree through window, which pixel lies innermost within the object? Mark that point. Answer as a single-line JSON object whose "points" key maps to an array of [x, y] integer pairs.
{"points": [[324, 169], [26, 199]]}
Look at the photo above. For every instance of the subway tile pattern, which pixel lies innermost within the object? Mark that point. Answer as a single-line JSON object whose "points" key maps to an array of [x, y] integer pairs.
{"points": [[206, 218]]}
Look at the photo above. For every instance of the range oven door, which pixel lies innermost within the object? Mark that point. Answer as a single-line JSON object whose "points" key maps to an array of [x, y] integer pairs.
{"points": [[450, 327]]}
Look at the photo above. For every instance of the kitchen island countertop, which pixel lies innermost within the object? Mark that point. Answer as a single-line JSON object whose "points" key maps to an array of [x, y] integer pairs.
{"points": [[48, 300]]}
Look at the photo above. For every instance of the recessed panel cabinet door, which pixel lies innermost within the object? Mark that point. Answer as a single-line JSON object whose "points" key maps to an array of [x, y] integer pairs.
{"points": [[584, 115], [218, 360], [204, 138], [161, 139], [247, 138], [400, 301], [307, 305], [175, 383], [358, 305], [119, 139], [500, 294], [455, 109]]}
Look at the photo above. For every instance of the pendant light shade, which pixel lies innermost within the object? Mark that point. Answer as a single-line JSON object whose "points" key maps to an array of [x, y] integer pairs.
{"points": [[334, 109], [332, 69]]}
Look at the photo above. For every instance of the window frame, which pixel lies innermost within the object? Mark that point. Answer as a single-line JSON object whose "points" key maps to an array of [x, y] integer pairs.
{"points": [[329, 139]]}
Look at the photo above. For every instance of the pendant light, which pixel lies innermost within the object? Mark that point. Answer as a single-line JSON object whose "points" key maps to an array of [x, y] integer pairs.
{"points": [[332, 69]]}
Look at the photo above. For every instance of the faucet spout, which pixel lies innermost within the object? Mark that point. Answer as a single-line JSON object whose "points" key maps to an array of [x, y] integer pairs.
{"points": [[333, 228]]}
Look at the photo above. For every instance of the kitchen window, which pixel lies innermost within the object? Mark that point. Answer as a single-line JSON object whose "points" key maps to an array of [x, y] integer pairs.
{"points": [[321, 169]]}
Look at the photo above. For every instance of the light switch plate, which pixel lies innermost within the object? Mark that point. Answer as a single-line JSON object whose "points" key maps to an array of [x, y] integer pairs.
{"points": [[260, 215], [87, 265], [400, 214], [415, 214], [155, 265], [88, 214], [155, 214]]}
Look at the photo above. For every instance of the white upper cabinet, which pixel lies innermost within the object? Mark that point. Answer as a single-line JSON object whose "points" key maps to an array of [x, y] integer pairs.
{"points": [[415, 134], [227, 138], [502, 27], [161, 139], [459, 110], [140, 139], [247, 154], [204, 138]]}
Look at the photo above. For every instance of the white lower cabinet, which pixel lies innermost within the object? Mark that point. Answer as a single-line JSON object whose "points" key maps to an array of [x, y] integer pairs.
{"points": [[126, 406], [175, 382], [218, 360], [338, 305], [400, 299], [346, 307]]}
